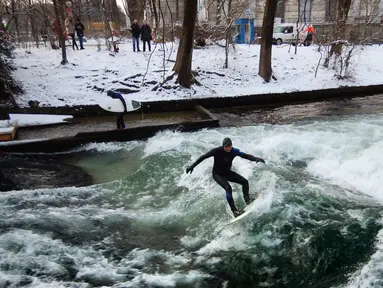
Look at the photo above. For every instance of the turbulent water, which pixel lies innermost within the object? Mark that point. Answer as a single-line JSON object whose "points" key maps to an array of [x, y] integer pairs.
{"points": [[318, 221]]}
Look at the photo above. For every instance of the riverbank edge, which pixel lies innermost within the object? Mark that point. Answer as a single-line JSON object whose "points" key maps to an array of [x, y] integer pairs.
{"points": [[177, 105]]}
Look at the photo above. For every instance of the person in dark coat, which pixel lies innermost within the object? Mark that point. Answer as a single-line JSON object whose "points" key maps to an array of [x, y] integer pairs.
{"points": [[79, 27], [136, 31], [146, 35]]}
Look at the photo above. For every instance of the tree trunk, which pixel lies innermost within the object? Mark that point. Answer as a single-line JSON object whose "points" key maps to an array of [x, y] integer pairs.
{"points": [[177, 10], [343, 8], [135, 9], [228, 33], [116, 15], [297, 28], [156, 20], [265, 70], [56, 5], [89, 17], [218, 11], [160, 18], [32, 18], [176, 67], [61, 6], [171, 23], [16, 17], [183, 64], [106, 24], [340, 31], [80, 12]]}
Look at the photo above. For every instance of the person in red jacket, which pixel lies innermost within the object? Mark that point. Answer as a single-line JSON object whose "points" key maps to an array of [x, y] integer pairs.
{"points": [[310, 34]]}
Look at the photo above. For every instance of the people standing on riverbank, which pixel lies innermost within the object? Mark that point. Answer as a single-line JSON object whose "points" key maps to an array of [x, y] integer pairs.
{"points": [[71, 31], [146, 36], [79, 27], [136, 31]]}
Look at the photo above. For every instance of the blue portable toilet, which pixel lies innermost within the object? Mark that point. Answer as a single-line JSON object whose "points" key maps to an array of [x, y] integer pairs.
{"points": [[242, 26]]}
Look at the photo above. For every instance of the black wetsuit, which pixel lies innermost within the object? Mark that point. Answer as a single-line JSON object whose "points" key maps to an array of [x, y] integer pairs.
{"points": [[120, 116], [222, 172]]}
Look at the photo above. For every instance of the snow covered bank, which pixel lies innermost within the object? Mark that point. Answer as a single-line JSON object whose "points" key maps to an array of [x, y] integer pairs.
{"points": [[90, 72], [27, 120]]}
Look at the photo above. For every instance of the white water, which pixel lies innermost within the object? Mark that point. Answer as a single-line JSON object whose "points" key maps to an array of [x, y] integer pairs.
{"points": [[192, 207], [347, 153]]}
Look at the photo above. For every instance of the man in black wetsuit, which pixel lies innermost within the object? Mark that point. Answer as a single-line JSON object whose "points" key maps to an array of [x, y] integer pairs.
{"points": [[120, 116], [223, 158]]}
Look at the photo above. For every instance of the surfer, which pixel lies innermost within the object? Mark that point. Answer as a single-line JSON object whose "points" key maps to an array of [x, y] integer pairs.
{"points": [[222, 173], [120, 116]]}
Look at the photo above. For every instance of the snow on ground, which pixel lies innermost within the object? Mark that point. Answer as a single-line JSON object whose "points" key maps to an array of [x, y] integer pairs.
{"points": [[24, 120], [12, 142], [6, 130], [90, 73]]}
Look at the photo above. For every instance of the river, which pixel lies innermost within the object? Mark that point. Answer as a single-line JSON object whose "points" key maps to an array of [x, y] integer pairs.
{"points": [[146, 223]]}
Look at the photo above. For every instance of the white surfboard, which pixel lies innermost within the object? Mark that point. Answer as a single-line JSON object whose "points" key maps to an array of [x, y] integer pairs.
{"points": [[247, 210], [115, 105]]}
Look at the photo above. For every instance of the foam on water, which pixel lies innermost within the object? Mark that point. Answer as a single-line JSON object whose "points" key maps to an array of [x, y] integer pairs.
{"points": [[166, 280], [370, 275], [157, 225], [108, 147]]}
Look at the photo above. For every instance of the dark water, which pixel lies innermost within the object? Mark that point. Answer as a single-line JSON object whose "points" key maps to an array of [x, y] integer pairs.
{"points": [[317, 223], [103, 123], [240, 116]]}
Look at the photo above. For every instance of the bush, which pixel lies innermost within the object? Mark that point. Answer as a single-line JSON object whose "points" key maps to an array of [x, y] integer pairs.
{"points": [[6, 46], [7, 84]]}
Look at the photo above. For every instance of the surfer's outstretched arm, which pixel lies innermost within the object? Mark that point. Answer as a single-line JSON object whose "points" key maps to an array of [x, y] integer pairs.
{"points": [[251, 157], [200, 159]]}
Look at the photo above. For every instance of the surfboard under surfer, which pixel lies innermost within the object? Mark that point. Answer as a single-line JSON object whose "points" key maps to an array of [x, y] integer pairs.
{"points": [[222, 173]]}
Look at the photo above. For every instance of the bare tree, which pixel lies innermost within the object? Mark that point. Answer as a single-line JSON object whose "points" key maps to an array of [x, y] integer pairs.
{"points": [[339, 33], [340, 50], [232, 14], [219, 7], [32, 19], [371, 11], [60, 26], [10, 11], [300, 24], [230, 11], [134, 9], [183, 64], [229, 23], [265, 70], [16, 17], [177, 10], [105, 18], [155, 13]]}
